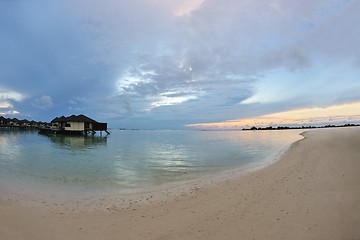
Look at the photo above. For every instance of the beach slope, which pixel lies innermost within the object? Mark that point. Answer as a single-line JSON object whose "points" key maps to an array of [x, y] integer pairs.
{"points": [[312, 192]]}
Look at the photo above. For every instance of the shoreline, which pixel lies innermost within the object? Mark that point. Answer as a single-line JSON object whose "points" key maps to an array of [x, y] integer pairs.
{"points": [[311, 192]]}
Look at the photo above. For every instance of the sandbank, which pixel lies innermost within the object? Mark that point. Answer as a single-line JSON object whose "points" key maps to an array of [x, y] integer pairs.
{"points": [[311, 192]]}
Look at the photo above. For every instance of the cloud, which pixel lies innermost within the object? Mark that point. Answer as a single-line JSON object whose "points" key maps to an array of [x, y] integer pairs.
{"points": [[10, 112], [7, 100], [171, 98], [11, 95], [223, 53], [5, 105], [187, 7], [181, 61], [337, 84], [44, 102]]}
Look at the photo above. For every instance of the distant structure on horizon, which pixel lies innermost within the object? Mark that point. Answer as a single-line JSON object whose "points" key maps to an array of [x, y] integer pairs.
{"points": [[74, 125], [302, 127]]}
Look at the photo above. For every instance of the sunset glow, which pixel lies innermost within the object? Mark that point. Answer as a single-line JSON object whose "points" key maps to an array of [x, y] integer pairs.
{"points": [[336, 114]]}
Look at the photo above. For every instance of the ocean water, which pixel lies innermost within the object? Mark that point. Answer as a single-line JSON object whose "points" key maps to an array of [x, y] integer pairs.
{"points": [[126, 161]]}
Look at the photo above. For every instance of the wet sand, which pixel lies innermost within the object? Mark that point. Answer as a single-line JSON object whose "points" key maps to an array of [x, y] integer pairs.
{"points": [[312, 192]]}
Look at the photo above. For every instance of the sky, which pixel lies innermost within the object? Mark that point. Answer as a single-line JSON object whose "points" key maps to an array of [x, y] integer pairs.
{"points": [[181, 63]]}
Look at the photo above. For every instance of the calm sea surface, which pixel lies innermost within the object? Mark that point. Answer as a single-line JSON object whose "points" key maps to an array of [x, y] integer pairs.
{"points": [[130, 160]]}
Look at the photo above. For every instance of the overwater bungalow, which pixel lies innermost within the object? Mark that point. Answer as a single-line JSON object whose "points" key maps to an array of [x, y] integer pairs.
{"points": [[24, 123], [3, 121], [74, 125], [14, 122], [9, 122]]}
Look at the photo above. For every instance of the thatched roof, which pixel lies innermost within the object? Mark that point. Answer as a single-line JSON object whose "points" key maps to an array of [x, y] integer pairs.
{"points": [[74, 118]]}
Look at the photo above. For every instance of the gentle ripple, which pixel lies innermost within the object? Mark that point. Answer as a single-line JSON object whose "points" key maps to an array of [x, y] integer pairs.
{"points": [[128, 160]]}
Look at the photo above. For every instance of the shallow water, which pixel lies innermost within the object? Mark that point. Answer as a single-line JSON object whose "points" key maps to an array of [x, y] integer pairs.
{"points": [[130, 160]]}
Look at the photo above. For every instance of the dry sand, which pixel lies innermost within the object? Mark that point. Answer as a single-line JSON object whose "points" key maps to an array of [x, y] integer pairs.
{"points": [[312, 192]]}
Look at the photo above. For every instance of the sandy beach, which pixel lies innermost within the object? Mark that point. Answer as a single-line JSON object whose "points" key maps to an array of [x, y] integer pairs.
{"points": [[311, 192]]}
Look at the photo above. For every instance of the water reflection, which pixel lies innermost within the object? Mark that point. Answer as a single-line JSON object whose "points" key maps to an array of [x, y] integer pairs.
{"points": [[130, 159], [77, 142], [250, 137], [163, 156], [9, 149]]}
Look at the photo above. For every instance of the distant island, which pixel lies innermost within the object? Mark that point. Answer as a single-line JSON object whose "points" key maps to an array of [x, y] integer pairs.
{"points": [[302, 127]]}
